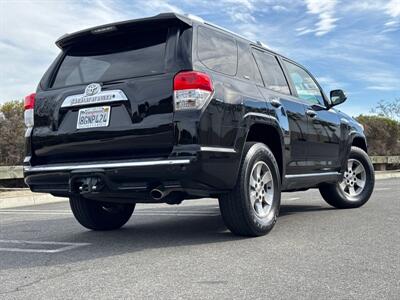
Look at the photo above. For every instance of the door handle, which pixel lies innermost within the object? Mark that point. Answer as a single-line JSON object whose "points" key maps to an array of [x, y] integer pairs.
{"points": [[311, 113], [275, 102]]}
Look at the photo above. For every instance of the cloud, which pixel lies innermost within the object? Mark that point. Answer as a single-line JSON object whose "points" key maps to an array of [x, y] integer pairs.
{"points": [[326, 20], [279, 8], [248, 4], [328, 83], [391, 23], [389, 7], [392, 8], [380, 81]]}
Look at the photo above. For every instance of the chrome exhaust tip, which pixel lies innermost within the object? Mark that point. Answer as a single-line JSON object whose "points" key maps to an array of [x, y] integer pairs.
{"points": [[157, 194]]}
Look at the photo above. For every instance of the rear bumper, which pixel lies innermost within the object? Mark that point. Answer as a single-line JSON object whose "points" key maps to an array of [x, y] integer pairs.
{"points": [[203, 172]]}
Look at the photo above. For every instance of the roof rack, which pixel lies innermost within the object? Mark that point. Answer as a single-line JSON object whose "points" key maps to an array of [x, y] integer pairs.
{"points": [[201, 20], [194, 18]]}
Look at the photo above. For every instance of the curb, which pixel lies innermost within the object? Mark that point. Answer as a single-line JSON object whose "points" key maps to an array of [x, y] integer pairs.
{"points": [[387, 174], [26, 198], [10, 198]]}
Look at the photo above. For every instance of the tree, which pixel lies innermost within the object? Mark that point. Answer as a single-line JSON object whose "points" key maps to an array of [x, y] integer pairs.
{"points": [[387, 109], [12, 131]]}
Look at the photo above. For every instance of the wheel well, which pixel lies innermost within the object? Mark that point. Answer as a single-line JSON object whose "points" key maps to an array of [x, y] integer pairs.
{"points": [[360, 143], [268, 135]]}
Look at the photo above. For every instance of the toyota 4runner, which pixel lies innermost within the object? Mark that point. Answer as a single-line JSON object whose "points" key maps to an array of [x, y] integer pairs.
{"points": [[171, 107]]}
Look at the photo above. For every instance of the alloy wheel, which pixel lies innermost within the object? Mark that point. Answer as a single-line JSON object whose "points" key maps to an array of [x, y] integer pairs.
{"points": [[261, 189], [354, 178]]}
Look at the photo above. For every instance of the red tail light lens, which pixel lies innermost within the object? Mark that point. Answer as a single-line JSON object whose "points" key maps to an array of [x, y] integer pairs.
{"points": [[192, 90], [192, 80], [29, 102]]}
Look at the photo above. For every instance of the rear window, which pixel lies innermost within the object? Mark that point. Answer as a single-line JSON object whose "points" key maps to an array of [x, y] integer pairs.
{"points": [[112, 58], [217, 51]]}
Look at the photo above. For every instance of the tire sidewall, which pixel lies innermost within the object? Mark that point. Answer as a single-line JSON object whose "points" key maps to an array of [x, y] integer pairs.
{"points": [[260, 152]]}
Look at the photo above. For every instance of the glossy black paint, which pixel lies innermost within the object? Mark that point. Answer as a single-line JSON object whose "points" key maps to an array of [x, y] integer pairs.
{"points": [[309, 139]]}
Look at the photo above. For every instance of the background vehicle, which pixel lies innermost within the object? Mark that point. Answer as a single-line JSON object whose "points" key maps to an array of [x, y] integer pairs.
{"points": [[170, 108]]}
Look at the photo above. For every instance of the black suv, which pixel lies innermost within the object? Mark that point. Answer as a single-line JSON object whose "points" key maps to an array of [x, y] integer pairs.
{"points": [[171, 107]]}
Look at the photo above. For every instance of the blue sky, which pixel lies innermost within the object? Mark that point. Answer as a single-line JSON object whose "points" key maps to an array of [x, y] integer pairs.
{"points": [[353, 45]]}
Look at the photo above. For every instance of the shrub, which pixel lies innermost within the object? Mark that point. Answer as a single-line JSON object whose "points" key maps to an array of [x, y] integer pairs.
{"points": [[383, 135], [12, 130]]}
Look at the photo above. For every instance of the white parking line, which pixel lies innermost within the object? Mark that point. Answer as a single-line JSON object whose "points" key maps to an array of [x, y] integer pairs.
{"points": [[139, 213], [64, 246], [6, 212], [292, 199], [382, 189], [35, 210]]}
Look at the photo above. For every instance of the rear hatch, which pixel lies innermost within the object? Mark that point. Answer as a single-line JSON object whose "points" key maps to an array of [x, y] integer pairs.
{"points": [[109, 95]]}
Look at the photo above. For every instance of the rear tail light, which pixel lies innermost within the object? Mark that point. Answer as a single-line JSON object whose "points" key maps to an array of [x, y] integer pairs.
{"points": [[29, 105], [192, 90]]}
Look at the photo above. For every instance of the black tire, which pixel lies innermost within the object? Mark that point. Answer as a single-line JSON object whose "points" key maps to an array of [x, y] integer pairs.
{"points": [[334, 195], [97, 215], [238, 213]]}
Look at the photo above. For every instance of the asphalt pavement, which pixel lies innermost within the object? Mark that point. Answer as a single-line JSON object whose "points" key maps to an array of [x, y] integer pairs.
{"points": [[184, 251]]}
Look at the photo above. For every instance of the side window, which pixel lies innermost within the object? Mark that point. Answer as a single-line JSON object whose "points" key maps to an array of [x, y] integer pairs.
{"points": [[304, 84], [217, 51], [247, 67], [271, 72]]}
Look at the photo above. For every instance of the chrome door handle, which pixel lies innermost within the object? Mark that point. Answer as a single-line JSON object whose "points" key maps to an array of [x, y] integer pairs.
{"points": [[311, 113], [275, 102]]}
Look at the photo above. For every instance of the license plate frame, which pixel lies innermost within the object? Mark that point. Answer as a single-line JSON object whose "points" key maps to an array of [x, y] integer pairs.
{"points": [[93, 117]]}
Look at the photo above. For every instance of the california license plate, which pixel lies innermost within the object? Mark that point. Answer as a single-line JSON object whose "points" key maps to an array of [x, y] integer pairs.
{"points": [[93, 117]]}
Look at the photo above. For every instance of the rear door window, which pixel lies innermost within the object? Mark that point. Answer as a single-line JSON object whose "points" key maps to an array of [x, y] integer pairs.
{"points": [[271, 72], [217, 51], [112, 58], [306, 88]]}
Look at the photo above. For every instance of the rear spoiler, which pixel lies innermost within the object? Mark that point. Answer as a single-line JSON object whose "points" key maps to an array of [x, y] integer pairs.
{"points": [[91, 33]]}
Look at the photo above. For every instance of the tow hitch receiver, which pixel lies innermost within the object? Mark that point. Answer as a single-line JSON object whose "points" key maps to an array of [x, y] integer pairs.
{"points": [[84, 185]]}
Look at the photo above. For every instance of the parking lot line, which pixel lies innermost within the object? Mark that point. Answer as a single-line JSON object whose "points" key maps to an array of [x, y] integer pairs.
{"points": [[291, 199], [382, 189], [18, 246], [138, 213]]}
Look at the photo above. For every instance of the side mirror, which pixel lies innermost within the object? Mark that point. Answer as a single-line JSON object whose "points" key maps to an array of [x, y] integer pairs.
{"points": [[337, 97]]}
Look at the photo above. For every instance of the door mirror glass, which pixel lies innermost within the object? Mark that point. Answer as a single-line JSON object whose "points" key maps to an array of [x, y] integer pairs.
{"points": [[337, 97]]}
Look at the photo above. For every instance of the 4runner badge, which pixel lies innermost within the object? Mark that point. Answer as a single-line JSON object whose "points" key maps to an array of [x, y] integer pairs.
{"points": [[92, 89]]}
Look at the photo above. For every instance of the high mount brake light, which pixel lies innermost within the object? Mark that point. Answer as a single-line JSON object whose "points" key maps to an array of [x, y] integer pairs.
{"points": [[29, 105], [192, 90]]}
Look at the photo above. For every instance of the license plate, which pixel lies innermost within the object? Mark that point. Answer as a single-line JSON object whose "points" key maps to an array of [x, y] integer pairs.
{"points": [[93, 117]]}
